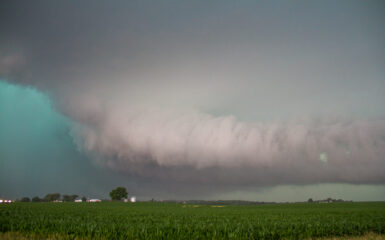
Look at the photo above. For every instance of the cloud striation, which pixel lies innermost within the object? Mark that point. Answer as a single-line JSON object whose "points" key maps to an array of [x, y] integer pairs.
{"points": [[211, 94], [167, 144]]}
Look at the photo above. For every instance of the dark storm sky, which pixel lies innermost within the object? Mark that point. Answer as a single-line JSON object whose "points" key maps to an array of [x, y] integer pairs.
{"points": [[210, 96]]}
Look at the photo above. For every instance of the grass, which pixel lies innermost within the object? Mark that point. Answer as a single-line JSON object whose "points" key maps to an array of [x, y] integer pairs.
{"points": [[178, 221]]}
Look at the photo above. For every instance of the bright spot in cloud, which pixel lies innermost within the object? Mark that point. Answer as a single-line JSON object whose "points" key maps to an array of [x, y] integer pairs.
{"points": [[323, 157]]}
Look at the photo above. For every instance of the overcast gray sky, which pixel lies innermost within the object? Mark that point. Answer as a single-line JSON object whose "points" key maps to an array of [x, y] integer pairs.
{"points": [[193, 99]]}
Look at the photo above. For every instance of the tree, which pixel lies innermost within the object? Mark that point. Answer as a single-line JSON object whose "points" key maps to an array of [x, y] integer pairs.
{"points": [[69, 198], [36, 199], [84, 199], [25, 199], [118, 193], [310, 200], [66, 198], [52, 197]]}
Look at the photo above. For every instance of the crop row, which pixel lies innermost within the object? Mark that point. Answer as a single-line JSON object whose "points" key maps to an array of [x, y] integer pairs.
{"points": [[178, 221]]}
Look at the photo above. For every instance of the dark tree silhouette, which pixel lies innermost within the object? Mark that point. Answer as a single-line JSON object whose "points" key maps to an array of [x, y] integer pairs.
{"points": [[25, 199], [69, 198], [52, 197], [118, 193], [36, 199]]}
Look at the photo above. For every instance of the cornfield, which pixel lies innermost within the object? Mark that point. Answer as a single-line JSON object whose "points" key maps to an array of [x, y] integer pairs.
{"points": [[110, 220]]}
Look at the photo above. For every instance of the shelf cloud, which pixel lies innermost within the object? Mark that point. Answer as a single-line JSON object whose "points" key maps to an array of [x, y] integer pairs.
{"points": [[221, 95], [303, 151]]}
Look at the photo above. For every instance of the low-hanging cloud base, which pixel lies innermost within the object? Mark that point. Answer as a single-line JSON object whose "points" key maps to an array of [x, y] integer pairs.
{"points": [[196, 148]]}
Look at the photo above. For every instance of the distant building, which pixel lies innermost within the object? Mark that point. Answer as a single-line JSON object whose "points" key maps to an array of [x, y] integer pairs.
{"points": [[94, 200], [133, 199], [78, 200]]}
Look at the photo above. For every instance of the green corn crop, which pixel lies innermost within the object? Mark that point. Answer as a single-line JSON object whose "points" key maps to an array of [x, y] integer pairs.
{"points": [[112, 220]]}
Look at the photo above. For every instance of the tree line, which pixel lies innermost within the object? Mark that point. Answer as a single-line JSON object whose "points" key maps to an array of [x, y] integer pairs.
{"points": [[116, 194], [52, 197]]}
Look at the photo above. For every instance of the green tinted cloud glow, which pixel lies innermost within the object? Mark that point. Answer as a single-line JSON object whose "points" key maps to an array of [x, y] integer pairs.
{"points": [[37, 153]]}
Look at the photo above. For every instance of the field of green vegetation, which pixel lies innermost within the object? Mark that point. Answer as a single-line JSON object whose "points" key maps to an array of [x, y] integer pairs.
{"points": [[112, 220]]}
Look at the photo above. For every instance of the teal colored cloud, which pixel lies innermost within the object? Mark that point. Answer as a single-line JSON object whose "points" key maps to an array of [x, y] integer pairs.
{"points": [[37, 153]]}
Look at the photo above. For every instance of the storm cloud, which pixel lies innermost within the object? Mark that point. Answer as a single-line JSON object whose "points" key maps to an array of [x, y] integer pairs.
{"points": [[302, 151], [211, 93]]}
